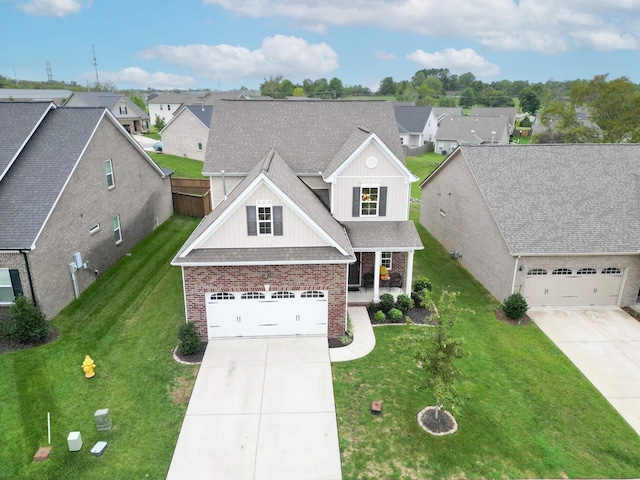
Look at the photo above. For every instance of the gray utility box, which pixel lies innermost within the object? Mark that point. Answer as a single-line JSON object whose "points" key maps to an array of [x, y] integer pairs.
{"points": [[103, 420]]}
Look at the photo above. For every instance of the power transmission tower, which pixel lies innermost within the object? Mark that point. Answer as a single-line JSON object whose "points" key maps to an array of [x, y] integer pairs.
{"points": [[49, 74], [95, 65]]}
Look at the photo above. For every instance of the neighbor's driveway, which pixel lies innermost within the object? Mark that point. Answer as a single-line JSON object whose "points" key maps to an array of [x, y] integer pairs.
{"points": [[604, 343], [261, 408]]}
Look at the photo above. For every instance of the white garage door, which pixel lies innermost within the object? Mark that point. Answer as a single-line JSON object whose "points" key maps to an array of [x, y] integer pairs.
{"points": [[564, 286], [257, 314]]}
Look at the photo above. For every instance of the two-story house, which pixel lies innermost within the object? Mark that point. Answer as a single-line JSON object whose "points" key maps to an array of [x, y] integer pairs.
{"points": [[76, 194], [312, 199], [417, 125], [187, 133], [130, 116]]}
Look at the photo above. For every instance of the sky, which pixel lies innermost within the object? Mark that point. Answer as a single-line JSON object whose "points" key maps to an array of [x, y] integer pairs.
{"points": [[227, 44]]}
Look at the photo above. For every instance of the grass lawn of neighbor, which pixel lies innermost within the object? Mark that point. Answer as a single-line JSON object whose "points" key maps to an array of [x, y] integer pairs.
{"points": [[183, 167], [127, 322], [527, 412]]}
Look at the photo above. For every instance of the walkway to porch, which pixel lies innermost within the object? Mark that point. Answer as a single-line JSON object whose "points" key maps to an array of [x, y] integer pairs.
{"points": [[365, 296]]}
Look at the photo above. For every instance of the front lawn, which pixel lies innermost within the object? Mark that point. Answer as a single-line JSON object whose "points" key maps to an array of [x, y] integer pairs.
{"points": [[528, 413], [127, 322], [182, 167]]}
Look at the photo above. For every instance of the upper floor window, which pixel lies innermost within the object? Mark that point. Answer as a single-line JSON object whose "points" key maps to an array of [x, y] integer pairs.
{"points": [[117, 231], [123, 109], [369, 201], [10, 285], [108, 169], [386, 260], [264, 219]]}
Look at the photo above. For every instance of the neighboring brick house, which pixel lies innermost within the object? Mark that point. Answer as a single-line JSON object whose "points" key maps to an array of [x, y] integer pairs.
{"points": [[130, 116], [312, 198], [187, 133], [558, 223], [76, 194]]}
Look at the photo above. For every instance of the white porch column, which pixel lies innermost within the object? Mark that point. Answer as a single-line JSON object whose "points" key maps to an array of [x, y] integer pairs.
{"points": [[376, 276], [408, 273]]}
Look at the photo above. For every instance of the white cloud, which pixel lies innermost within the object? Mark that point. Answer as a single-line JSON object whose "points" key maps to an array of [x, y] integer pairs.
{"points": [[544, 26], [278, 55], [54, 8], [382, 55], [458, 61], [138, 78]]}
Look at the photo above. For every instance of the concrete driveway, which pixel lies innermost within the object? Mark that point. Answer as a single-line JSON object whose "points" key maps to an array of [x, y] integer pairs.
{"points": [[261, 409], [145, 142], [604, 343]]}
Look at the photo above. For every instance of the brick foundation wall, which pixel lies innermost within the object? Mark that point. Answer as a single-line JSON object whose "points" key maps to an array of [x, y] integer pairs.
{"points": [[200, 280]]}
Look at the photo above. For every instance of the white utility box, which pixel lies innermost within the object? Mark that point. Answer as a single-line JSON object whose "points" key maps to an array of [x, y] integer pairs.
{"points": [[75, 441]]}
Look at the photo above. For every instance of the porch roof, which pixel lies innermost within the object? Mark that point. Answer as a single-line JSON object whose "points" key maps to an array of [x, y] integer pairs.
{"points": [[383, 235], [262, 256]]}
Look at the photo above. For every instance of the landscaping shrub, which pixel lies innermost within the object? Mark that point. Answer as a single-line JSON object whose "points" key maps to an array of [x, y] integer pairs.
{"points": [[386, 302], [189, 340], [379, 317], [515, 306], [404, 303], [395, 315], [30, 324], [422, 283]]}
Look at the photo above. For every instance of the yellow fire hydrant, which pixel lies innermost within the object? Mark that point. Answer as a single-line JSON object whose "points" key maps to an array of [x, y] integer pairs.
{"points": [[88, 367]]}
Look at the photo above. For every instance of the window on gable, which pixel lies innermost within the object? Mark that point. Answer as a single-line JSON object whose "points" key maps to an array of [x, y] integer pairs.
{"points": [[10, 285], [264, 219], [117, 231], [611, 271], [368, 201], [123, 109], [386, 259], [108, 169]]}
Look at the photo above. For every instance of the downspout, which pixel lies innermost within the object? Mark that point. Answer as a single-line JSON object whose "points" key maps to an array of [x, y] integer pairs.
{"points": [[224, 186], [515, 272], [26, 264]]}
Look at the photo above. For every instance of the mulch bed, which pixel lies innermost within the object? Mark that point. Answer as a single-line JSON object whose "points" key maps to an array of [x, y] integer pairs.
{"points": [[9, 345], [194, 358], [500, 315], [444, 422]]}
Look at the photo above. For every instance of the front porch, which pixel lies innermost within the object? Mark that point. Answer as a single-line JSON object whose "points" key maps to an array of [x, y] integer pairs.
{"points": [[365, 296]]}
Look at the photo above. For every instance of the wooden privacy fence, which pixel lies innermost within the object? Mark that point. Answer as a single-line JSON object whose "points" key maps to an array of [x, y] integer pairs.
{"points": [[191, 196]]}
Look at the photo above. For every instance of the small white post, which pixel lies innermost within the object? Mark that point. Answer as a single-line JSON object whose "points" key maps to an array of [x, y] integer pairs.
{"points": [[49, 427]]}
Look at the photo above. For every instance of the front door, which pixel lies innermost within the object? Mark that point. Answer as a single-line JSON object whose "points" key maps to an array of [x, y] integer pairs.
{"points": [[354, 271]]}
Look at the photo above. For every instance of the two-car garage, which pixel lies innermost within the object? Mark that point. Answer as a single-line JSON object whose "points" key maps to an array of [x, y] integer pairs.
{"points": [[573, 286], [265, 313]]}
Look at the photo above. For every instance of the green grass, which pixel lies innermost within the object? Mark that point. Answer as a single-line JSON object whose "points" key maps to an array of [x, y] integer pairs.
{"points": [[528, 412], [183, 167], [155, 136], [421, 167], [127, 321]]}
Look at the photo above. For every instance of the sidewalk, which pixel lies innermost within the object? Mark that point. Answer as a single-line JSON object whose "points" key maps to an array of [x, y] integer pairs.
{"points": [[364, 339]]}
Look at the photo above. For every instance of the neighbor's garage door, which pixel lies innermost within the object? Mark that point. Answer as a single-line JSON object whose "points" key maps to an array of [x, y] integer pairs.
{"points": [[256, 314], [564, 286]]}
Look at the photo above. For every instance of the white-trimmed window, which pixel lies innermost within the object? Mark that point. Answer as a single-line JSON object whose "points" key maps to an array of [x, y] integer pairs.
{"points": [[369, 200], [265, 220], [108, 170], [123, 109], [10, 285], [117, 231], [386, 260], [199, 146]]}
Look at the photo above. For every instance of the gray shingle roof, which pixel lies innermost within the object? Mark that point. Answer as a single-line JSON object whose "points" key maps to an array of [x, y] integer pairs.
{"points": [[275, 169], [241, 131], [562, 199], [412, 119], [17, 120], [202, 113], [30, 189], [102, 99], [396, 235]]}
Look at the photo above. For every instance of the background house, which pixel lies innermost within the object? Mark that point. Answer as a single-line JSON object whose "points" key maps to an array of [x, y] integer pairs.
{"points": [[187, 132], [417, 125], [508, 112], [77, 193], [312, 198], [455, 131], [558, 223], [130, 116], [57, 96]]}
